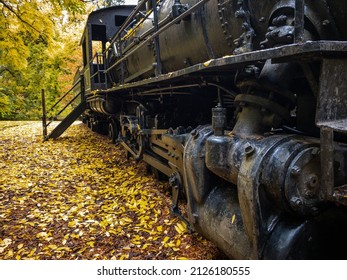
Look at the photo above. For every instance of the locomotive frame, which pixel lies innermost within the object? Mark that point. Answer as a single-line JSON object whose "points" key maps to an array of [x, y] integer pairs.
{"points": [[262, 160]]}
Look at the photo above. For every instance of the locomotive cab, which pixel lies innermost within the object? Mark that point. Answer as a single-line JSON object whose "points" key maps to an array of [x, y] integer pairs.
{"points": [[100, 27]]}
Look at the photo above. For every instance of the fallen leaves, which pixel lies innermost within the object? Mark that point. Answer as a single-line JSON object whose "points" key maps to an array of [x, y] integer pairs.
{"points": [[79, 198]]}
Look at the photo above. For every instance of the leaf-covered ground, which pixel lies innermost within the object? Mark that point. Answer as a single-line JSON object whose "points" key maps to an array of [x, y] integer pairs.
{"points": [[78, 197]]}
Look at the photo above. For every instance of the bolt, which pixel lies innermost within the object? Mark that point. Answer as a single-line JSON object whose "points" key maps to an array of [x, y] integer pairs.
{"points": [[295, 171], [249, 150], [173, 181], [295, 202]]}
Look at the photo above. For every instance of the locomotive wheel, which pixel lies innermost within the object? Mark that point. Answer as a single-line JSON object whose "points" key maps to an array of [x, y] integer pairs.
{"points": [[139, 147], [112, 132]]}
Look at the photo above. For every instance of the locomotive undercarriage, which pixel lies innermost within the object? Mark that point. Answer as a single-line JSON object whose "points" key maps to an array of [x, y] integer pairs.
{"points": [[260, 179]]}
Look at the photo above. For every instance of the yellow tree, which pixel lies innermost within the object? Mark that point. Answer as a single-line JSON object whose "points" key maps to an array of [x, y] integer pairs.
{"points": [[33, 53]]}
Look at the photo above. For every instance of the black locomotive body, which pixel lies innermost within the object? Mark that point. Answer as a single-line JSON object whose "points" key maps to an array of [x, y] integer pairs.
{"points": [[242, 105]]}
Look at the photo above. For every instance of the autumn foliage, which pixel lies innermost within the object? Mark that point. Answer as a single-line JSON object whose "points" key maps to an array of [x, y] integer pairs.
{"points": [[78, 197]]}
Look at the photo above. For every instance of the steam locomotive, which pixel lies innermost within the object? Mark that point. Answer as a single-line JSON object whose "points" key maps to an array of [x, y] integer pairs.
{"points": [[241, 104]]}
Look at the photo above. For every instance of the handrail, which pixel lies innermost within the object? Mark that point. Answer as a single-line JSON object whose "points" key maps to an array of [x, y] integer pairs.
{"points": [[62, 97], [174, 21], [99, 62], [81, 94], [164, 21], [127, 21], [62, 110]]}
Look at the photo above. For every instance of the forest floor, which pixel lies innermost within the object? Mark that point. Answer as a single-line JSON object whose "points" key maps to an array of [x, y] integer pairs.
{"points": [[78, 197]]}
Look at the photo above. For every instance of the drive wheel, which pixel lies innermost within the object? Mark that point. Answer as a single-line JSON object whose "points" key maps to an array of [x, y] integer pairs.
{"points": [[113, 132]]}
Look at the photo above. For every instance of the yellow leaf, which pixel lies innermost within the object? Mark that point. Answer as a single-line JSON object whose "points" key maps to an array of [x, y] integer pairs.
{"points": [[166, 238], [63, 249], [20, 246], [91, 243], [127, 220], [6, 242], [159, 228], [32, 252], [53, 246], [233, 218], [207, 63], [10, 253], [41, 234], [75, 236], [82, 250], [104, 223], [181, 228], [123, 257], [71, 224]]}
